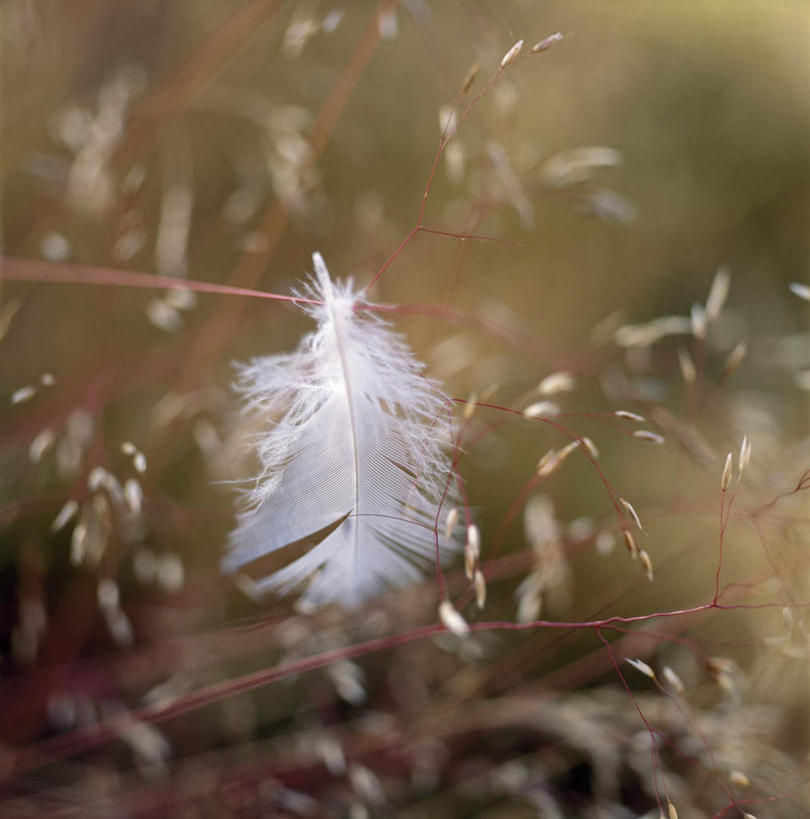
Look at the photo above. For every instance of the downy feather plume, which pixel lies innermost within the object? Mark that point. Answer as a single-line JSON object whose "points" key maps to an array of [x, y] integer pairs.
{"points": [[357, 457]]}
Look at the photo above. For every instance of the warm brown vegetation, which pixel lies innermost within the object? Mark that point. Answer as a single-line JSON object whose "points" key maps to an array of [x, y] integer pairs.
{"points": [[597, 245]]}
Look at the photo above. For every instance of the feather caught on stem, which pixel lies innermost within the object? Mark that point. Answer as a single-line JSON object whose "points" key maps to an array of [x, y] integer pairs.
{"points": [[358, 463]]}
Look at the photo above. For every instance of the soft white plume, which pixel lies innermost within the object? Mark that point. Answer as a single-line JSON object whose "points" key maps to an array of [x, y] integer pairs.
{"points": [[361, 447]]}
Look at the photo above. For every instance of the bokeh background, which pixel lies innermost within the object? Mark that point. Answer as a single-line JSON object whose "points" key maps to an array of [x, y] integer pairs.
{"points": [[619, 169]]}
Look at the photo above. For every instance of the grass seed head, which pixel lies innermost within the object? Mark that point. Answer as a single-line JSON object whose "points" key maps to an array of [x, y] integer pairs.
{"points": [[388, 24], [800, 290], [734, 359], [626, 415], [447, 119], [725, 480], [331, 20], [547, 42], [745, 453], [40, 445], [589, 446], [630, 509], [469, 79], [697, 318], [470, 559], [646, 564], [718, 293], [512, 54], [556, 382], [630, 543], [164, 316], [738, 778], [673, 680], [23, 394], [133, 495], [647, 435], [452, 620], [548, 463], [474, 539], [450, 522], [65, 515], [641, 666], [541, 409], [480, 588], [529, 603]]}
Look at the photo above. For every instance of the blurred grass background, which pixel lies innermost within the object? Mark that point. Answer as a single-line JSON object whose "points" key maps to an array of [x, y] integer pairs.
{"points": [[226, 142]]}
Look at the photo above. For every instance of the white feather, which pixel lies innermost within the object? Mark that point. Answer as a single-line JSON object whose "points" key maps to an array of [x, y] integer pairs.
{"points": [[362, 444]]}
